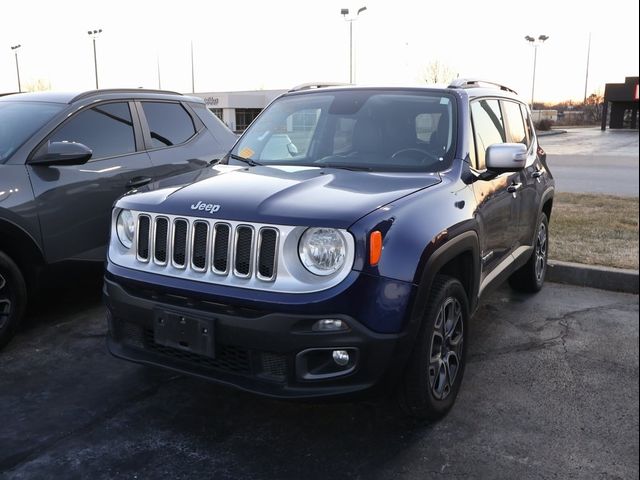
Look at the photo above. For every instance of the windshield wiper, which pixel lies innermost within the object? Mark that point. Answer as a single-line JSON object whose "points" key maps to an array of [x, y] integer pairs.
{"points": [[342, 166], [248, 161]]}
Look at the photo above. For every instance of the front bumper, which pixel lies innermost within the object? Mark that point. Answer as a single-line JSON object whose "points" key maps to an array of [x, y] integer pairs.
{"points": [[273, 353]]}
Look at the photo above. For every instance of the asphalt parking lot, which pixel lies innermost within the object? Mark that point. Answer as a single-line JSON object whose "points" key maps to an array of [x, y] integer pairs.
{"points": [[588, 160], [551, 391]]}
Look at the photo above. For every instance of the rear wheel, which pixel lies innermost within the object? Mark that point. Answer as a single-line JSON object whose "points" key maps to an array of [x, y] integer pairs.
{"points": [[530, 277], [434, 373], [13, 298]]}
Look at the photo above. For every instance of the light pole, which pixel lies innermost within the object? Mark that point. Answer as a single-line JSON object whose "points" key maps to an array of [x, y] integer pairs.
{"points": [[586, 75], [535, 43], [94, 34], [15, 50], [193, 79], [344, 12]]}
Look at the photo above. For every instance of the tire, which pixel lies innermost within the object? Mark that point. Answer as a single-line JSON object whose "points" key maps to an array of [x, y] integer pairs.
{"points": [[13, 298], [430, 385], [530, 277]]}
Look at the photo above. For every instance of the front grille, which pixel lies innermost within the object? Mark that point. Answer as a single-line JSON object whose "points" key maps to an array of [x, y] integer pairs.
{"points": [[274, 365], [228, 357], [267, 247], [161, 240], [244, 244], [208, 247], [221, 248], [200, 244], [180, 242], [143, 237]]}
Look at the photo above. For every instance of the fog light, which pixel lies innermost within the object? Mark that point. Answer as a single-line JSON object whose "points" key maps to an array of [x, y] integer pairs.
{"points": [[341, 357], [329, 325]]}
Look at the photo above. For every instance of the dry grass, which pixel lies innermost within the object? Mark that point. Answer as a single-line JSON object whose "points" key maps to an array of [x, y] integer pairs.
{"points": [[595, 229]]}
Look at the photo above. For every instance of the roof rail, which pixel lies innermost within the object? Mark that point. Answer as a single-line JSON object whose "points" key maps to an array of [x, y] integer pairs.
{"points": [[314, 85], [477, 82], [92, 93]]}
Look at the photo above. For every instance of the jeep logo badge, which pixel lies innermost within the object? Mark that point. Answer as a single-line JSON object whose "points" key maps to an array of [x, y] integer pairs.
{"points": [[206, 207]]}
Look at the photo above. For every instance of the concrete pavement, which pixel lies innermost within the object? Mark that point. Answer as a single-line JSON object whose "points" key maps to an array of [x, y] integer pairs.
{"points": [[550, 391]]}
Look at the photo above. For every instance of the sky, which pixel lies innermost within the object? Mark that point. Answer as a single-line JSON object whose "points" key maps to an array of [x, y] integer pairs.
{"points": [[250, 45]]}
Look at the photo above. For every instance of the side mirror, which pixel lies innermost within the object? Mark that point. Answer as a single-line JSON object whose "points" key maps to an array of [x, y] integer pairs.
{"points": [[62, 153], [506, 157]]}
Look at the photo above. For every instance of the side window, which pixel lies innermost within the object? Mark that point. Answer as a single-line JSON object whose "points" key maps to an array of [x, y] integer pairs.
{"points": [[472, 146], [527, 122], [517, 131], [488, 127], [169, 123], [106, 129]]}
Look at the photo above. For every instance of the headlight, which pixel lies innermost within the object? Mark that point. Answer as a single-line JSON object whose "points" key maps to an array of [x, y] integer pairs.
{"points": [[125, 228], [322, 250]]}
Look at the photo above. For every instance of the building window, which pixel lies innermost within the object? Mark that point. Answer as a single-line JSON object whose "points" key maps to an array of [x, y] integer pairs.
{"points": [[217, 112], [244, 116]]}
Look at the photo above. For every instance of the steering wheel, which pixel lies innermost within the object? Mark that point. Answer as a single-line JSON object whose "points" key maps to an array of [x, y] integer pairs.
{"points": [[424, 153]]}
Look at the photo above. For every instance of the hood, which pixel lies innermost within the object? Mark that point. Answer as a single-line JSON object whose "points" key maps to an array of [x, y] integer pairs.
{"points": [[308, 196]]}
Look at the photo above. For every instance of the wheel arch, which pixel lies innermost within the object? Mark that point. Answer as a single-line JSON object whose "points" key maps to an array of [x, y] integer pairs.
{"points": [[459, 257], [22, 248]]}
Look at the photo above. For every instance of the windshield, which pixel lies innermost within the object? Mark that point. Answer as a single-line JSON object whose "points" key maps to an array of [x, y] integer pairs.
{"points": [[355, 129], [20, 120]]}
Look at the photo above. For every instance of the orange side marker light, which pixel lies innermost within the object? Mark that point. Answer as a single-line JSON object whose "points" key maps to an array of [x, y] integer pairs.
{"points": [[375, 247]]}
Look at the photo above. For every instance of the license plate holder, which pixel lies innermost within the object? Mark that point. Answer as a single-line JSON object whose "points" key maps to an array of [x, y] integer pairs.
{"points": [[184, 331]]}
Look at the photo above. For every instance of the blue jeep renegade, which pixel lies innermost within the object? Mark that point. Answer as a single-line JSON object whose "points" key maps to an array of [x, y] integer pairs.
{"points": [[340, 247]]}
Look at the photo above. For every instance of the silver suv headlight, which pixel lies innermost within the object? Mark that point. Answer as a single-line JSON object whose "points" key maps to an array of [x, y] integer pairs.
{"points": [[125, 228], [322, 251]]}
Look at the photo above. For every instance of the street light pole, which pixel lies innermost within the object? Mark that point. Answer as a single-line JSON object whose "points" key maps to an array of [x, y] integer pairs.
{"points": [[586, 75], [94, 34], [193, 81], [344, 12], [535, 43], [15, 50]]}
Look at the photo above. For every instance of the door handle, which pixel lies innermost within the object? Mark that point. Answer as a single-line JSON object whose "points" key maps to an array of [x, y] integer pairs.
{"points": [[137, 182], [537, 174], [514, 187]]}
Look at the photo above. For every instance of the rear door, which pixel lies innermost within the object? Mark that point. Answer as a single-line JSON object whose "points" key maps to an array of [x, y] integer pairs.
{"points": [[74, 202], [498, 207], [177, 140]]}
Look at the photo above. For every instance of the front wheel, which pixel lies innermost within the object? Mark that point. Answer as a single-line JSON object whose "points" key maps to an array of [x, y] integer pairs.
{"points": [[434, 373], [530, 277], [13, 298]]}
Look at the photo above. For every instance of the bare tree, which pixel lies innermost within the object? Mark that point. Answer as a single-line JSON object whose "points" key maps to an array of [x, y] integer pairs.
{"points": [[593, 108], [39, 85], [438, 72]]}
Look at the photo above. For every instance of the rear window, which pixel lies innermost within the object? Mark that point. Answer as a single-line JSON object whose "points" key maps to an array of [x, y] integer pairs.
{"points": [[169, 123], [20, 120]]}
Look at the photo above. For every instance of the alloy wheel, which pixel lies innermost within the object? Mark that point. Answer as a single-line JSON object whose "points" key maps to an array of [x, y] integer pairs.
{"points": [[541, 252], [5, 302], [445, 352]]}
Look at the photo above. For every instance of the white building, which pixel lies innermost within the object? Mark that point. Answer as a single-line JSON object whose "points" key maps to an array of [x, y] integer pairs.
{"points": [[238, 109]]}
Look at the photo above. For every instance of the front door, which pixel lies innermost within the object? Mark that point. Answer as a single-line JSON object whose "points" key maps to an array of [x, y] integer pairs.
{"points": [[74, 202], [498, 199]]}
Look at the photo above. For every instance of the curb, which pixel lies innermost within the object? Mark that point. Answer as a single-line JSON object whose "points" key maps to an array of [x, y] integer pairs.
{"points": [[604, 278], [546, 133]]}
